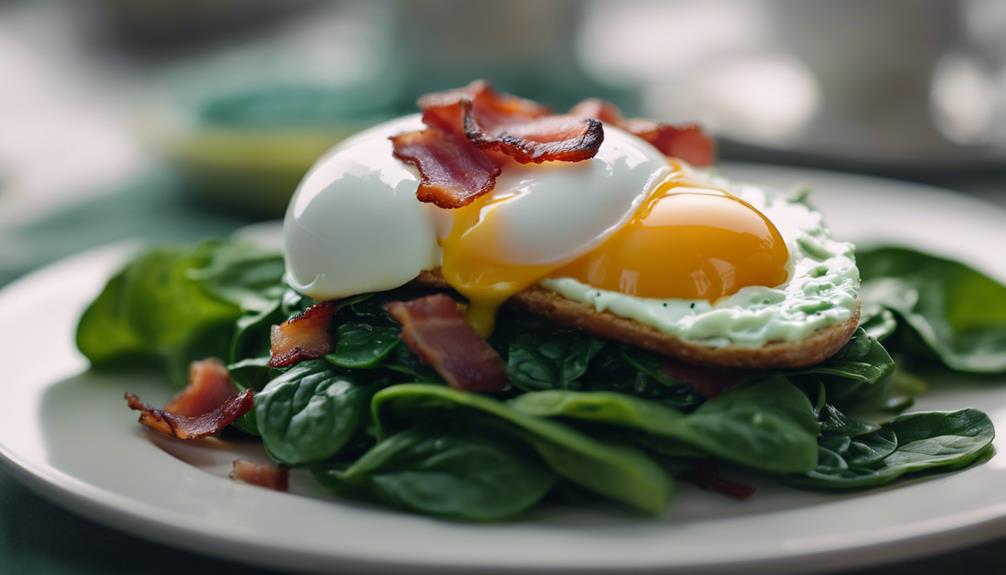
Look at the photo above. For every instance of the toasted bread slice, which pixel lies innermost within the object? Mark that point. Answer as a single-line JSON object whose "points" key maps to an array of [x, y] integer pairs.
{"points": [[821, 345]]}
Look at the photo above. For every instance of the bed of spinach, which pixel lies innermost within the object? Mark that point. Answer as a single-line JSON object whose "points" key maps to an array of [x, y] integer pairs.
{"points": [[583, 414]]}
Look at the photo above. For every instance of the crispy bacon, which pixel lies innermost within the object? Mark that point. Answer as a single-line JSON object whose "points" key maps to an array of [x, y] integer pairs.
{"points": [[193, 427], [261, 474], [686, 141], [209, 387], [304, 336], [452, 171], [707, 381], [598, 109], [446, 110], [544, 139], [473, 131], [706, 475], [434, 329]]}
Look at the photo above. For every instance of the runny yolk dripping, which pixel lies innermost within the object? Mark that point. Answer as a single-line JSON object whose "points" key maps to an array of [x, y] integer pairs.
{"points": [[685, 241]]}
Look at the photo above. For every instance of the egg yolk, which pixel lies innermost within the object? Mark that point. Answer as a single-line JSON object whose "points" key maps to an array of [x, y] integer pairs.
{"points": [[477, 272], [685, 242]]}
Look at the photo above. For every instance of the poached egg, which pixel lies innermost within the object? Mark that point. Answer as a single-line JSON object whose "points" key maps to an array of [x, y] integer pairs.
{"points": [[628, 222]]}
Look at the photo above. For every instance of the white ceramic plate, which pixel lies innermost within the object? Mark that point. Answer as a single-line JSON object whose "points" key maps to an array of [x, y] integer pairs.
{"points": [[68, 434]]}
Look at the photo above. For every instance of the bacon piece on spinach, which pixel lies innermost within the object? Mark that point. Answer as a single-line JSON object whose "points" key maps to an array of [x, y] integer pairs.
{"points": [[435, 330], [304, 336]]}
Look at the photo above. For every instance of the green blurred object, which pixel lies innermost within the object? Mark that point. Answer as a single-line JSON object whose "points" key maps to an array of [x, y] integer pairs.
{"points": [[247, 150]]}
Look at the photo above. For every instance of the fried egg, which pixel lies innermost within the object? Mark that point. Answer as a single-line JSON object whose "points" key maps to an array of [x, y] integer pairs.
{"points": [[628, 232]]}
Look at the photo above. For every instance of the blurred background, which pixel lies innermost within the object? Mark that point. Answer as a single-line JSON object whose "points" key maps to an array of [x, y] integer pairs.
{"points": [[176, 119]]}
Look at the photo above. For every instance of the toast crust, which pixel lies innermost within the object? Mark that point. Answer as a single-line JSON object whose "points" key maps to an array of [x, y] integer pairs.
{"points": [[821, 345]]}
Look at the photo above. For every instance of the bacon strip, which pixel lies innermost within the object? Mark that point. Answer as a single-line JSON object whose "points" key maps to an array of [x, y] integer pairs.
{"points": [[446, 110], [685, 141], [434, 329], [545, 139], [472, 131], [261, 474], [598, 109], [452, 171], [706, 475], [707, 381], [519, 128], [304, 336], [192, 427], [209, 387]]}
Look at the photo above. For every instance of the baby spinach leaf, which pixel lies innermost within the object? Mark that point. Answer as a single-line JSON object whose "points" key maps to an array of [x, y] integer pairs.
{"points": [[647, 363], [768, 425], [447, 471], [250, 347], [862, 360], [153, 309], [253, 373], [853, 375], [557, 360], [402, 360], [925, 441], [360, 345], [835, 422], [870, 449], [307, 414], [878, 322], [242, 274], [623, 369], [616, 471], [958, 313]]}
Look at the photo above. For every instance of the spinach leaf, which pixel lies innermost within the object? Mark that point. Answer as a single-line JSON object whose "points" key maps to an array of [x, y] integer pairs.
{"points": [[862, 360], [650, 379], [615, 471], [768, 425], [253, 373], [448, 471], [360, 345], [622, 369], [933, 441], [870, 449], [307, 414], [537, 361], [541, 355], [242, 274], [957, 313], [154, 309], [835, 422], [853, 375], [878, 322], [250, 347], [402, 360], [859, 442]]}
